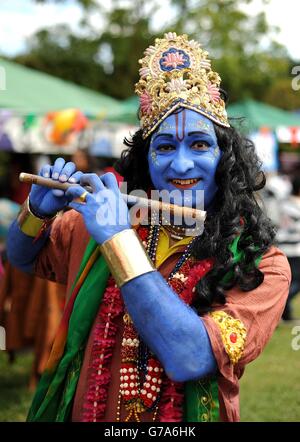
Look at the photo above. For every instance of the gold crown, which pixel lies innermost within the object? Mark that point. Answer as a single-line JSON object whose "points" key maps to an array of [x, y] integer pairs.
{"points": [[177, 73]]}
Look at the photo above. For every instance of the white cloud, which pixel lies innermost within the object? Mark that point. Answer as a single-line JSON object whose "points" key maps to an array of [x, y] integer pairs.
{"points": [[285, 15], [20, 19]]}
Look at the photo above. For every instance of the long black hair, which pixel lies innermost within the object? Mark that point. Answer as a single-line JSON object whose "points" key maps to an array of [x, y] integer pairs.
{"points": [[235, 212]]}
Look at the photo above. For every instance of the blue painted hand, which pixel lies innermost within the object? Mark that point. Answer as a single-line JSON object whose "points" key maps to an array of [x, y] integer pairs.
{"points": [[104, 211], [45, 201]]}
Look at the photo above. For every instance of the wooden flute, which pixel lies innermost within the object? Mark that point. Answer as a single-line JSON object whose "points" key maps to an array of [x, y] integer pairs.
{"points": [[175, 210]]}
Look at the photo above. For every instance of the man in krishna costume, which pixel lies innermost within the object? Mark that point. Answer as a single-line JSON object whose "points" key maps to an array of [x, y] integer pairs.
{"points": [[161, 319]]}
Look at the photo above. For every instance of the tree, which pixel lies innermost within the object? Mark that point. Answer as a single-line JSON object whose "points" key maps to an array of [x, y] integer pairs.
{"points": [[107, 60], [60, 53], [282, 92]]}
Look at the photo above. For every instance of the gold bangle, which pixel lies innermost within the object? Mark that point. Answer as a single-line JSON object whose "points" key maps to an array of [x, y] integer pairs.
{"points": [[31, 224], [126, 256]]}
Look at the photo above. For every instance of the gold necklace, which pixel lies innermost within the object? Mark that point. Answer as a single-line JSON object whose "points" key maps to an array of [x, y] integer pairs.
{"points": [[179, 232], [176, 232]]}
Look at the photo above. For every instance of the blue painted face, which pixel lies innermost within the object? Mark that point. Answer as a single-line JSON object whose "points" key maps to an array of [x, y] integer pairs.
{"points": [[184, 155]]}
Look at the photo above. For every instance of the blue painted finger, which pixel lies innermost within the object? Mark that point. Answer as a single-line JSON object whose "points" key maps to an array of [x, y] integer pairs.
{"points": [[68, 169], [75, 178], [58, 192], [110, 181], [76, 206], [45, 171], [76, 192], [92, 180], [57, 168]]}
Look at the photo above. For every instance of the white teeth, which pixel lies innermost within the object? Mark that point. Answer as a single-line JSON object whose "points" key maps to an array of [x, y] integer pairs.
{"points": [[183, 182]]}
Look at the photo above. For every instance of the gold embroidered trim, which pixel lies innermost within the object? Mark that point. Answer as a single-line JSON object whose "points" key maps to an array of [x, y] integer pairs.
{"points": [[206, 402], [233, 333]]}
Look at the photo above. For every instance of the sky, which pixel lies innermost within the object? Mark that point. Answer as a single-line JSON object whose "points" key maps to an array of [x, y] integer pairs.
{"points": [[19, 19]]}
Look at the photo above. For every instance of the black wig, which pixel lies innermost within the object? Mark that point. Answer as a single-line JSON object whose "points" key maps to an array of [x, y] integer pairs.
{"points": [[235, 212]]}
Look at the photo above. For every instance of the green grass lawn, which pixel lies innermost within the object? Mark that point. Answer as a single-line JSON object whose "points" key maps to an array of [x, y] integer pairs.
{"points": [[15, 398], [270, 387]]}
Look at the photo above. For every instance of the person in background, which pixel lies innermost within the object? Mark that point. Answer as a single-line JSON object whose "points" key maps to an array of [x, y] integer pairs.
{"points": [[17, 191], [30, 311], [30, 307], [83, 160], [288, 237]]}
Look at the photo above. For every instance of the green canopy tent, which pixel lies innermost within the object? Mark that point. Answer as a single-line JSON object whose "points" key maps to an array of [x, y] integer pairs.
{"points": [[129, 112], [38, 113], [28, 91], [264, 124], [248, 116], [254, 114], [257, 115]]}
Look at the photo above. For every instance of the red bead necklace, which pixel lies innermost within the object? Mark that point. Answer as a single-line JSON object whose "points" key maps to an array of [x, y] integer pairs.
{"points": [[142, 395]]}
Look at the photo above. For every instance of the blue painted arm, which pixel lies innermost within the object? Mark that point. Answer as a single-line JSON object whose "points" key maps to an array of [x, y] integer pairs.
{"points": [[21, 250], [171, 329]]}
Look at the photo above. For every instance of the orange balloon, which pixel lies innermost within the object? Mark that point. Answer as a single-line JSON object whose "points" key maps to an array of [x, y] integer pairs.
{"points": [[63, 120]]}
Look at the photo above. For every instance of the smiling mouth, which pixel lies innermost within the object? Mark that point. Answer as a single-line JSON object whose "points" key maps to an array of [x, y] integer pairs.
{"points": [[185, 184]]}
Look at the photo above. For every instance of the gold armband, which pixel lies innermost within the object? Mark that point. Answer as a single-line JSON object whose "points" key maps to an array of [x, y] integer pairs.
{"points": [[233, 333], [126, 256], [31, 224]]}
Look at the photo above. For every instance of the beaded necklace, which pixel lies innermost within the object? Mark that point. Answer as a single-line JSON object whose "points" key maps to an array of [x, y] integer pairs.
{"points": [[141, 373], [179, 232]]}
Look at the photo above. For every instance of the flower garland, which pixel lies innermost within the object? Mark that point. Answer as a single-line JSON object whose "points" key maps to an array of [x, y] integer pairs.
{"points": [[156, 388], [103, 345], [137, 396]]}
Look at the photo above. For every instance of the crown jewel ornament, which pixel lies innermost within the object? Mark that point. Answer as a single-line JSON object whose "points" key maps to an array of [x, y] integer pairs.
{"points": [[176, 73]]}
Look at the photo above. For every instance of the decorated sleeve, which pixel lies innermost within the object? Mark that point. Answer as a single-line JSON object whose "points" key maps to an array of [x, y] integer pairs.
{"points": [[240, 329], [53, 261]]}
